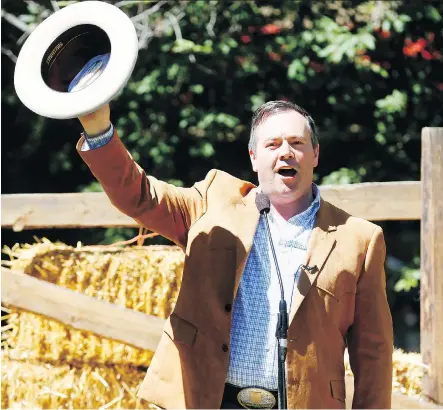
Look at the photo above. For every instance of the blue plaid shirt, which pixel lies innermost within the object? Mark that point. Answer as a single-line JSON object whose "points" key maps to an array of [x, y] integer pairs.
{"points": [[253, 353]]}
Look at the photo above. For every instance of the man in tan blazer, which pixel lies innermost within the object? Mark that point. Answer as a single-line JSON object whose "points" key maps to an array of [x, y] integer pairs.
{"points": [[216, 336]]}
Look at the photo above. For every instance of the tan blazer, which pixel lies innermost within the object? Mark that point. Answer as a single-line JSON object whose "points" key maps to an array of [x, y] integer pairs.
{"points": [[342, 304]]}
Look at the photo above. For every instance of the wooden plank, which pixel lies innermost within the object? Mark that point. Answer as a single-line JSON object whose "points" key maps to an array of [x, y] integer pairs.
{"points": [[373, 201], [67, 210], [80, 311], [431, 292], [377, 201]]}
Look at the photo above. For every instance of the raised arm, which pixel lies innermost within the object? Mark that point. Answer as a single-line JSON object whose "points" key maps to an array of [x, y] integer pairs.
{"points": [[161, 207], [370, 339]]}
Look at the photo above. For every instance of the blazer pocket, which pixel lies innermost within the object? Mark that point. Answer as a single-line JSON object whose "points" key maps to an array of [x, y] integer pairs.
{"points": [[330, 290], [336, 285], [180, 330], [338, 390]]}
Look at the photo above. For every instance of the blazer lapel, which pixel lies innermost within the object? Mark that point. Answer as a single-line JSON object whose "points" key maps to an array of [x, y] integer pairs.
{"points": [[246, 221], [321, 244]]}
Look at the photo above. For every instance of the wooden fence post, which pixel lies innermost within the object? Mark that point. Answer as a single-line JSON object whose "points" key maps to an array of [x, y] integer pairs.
{"points": [[431, 300]]}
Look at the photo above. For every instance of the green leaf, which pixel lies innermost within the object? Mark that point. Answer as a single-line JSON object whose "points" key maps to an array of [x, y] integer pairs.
{"points": [[432, 13], [207, 150], [409, 280], [296, 71], [393, 103], [197, 88], [257, 100], [380, 138], [183, 46]]}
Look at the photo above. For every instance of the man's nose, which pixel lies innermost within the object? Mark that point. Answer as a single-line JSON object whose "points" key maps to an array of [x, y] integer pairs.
{"points": [[285, 151]]}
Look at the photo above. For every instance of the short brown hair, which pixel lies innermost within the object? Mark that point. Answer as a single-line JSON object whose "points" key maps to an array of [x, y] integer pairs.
{"points": [[274, 107]]}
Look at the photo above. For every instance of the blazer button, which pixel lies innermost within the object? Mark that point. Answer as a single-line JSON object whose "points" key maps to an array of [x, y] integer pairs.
{"points": [[225, 347], [228, 307]]}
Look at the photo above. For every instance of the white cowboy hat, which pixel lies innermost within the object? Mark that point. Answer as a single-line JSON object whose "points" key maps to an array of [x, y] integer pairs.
{"points": [[76, 60]]}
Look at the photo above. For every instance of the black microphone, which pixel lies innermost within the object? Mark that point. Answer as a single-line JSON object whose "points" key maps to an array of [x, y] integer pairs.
{"points": [[264, 206]]}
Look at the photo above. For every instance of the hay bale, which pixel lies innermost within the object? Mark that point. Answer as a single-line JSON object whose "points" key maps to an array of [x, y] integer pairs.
{"points": [[146, 279], [37, 385], [408, 372]]}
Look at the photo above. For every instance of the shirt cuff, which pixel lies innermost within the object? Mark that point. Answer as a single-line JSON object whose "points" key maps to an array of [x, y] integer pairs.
{"points": [[97, 141]]}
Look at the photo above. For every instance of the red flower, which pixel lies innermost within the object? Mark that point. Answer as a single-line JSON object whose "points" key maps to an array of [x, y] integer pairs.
{"points": [[439, 86], [245, 39], [270, 29], [411, 49], [385, 34], [436, 55], [426, 55], [274, 56], [422, 42], [431, 37]]}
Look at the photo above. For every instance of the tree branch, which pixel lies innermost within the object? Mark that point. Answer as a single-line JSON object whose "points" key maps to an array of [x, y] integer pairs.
{"points": [[178, 34], [15, 21], [55, 5], [145, 36], [128, 2], [141, 16], [211, 24], [10, 54]]}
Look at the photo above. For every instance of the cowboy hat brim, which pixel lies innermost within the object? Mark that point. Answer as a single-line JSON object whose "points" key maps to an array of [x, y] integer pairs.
{"points": [[53, 47]]}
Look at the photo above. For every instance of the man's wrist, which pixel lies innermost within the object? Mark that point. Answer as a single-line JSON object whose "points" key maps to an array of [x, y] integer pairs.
{"points": [[96, 130]]}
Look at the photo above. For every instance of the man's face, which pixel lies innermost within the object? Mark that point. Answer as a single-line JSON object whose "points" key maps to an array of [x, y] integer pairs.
{"points": [[284, 158]]}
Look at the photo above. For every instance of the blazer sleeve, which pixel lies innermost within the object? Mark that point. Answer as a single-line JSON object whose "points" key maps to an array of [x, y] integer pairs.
{"points": [[370, 338], [156, 205]]}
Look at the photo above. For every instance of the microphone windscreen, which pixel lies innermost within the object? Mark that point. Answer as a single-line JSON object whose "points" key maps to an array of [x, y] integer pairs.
{"points": [[262, 202]]}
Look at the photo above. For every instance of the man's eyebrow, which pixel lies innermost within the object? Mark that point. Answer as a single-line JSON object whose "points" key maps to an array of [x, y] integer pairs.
{"points": [[274, 137]]}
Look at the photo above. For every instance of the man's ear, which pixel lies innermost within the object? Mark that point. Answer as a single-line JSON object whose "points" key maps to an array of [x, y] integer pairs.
{"points": [[253, 158], [316, 154]]}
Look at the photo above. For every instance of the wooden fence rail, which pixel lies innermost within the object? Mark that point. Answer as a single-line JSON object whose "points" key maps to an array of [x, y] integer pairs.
{"points": [[373, 201], [80, 311]]}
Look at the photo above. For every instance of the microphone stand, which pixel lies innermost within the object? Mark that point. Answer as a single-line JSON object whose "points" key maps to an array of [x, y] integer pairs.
{"points": [[281, 332]]}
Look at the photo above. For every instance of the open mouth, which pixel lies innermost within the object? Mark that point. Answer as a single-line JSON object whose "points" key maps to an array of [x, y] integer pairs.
{"points": [[287, 172]]}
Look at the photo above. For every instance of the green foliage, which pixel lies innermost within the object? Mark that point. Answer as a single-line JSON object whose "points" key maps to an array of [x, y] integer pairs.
{"points": [[410, 279], [343, 176], [369, 72]]}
